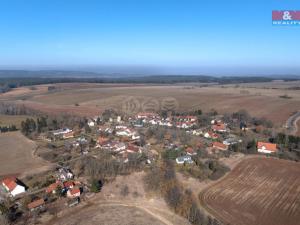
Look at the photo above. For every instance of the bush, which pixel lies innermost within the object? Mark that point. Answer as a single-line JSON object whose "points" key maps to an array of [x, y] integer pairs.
{"points": [[96, 185], [124, 190]]}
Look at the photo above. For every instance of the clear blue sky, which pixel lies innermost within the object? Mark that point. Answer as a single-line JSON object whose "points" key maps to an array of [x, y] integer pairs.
{"points": [[234, 36]]}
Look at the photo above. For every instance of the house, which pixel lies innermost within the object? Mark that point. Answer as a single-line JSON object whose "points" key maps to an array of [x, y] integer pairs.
{"points": [[68, 135], [91, 123], [265, 147], [190, 151], [197, 132], [53, 187], [73, 193], [211, 135], [61, 131], [117, 146], [68, 184], [146, 115], [65, 174], [220, 146], [184, 159], [37, 204], [12, 186], [231, 141], [220, 127], [105, 129]]}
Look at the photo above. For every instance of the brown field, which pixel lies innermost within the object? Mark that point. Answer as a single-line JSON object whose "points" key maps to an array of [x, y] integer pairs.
{"points": [[110, 214], [109, 207], [7, 120], [259, 191], [260, 99], [17, 155]]}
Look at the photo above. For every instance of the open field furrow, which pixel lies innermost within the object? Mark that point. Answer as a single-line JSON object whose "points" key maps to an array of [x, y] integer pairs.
{"points": [[257, 191]]}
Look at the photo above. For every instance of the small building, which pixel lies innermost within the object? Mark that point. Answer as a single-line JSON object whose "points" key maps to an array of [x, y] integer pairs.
{"points": [[73, 193], [184, 159], [220, 127], [211, 135], [61, 131], [37, 204], [91, 123], [68, 135], [53, 187], [68, 184], [190, 151], [12, 186], [65, 174], [267, 148], [220, 146]]}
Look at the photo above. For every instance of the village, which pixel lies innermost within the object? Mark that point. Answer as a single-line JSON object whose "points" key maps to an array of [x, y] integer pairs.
{"points": [[137, 142]]}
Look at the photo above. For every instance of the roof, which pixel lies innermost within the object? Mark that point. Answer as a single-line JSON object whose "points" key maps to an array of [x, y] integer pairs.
{"points": [[68, 184], [219, 127], [36, 203], [69, 134], [189, 150], [74, 191], [219, 145], [267, 146], [212, 134], [10, 183], [53, 187]]}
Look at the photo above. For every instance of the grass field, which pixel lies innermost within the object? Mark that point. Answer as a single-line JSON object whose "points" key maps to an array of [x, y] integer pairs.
{"points": [[259, 191], [17, 155], [261, 99]]}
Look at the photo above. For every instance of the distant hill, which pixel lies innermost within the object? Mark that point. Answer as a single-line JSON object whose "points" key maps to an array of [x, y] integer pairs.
{"points": [[17, 78]]}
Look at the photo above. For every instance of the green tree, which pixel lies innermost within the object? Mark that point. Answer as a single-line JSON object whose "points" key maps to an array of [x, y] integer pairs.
{"points": [[95, 185]]}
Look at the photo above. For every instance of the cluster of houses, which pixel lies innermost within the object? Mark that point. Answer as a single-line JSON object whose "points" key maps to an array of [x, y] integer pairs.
{"points": [[63, 133], [64, 183], [183, 122], [117, 147], [217, 131]]}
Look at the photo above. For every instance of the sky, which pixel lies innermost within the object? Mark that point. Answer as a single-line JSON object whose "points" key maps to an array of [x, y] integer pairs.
{"points": [[156, 36]]}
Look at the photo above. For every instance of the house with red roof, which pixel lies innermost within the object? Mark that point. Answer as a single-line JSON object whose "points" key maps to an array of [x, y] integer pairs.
{"points": [[190, 151], [12, 186], [220, 146], [37, 204], [267, 148], [52, 187], [73, 193], [68, 184], [220, 127]]}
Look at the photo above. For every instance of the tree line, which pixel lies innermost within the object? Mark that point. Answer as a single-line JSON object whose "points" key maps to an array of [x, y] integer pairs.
{"points": [[162, 180]]}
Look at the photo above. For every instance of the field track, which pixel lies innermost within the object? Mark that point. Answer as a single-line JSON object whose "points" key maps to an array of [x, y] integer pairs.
{"points": [[258, 191]]}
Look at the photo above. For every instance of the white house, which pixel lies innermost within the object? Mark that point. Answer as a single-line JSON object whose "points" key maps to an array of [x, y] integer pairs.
{"points": [[91, 123], [65, 174], [11, 186], [184, 159]]}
